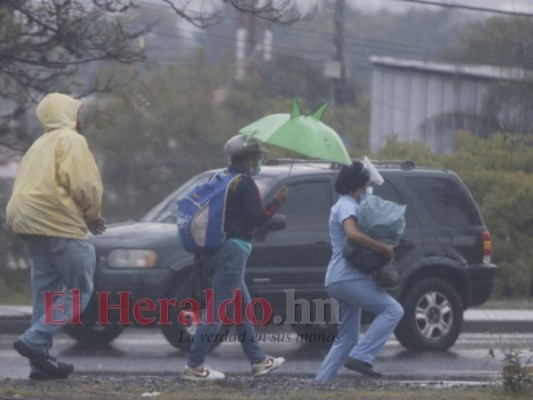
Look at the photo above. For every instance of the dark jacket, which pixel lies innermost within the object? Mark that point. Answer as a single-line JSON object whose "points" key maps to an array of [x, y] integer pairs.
{"points": [[244, 208]]}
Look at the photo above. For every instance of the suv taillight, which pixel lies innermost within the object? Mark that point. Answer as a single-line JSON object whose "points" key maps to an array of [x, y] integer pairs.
{"points": [[487, 246]]}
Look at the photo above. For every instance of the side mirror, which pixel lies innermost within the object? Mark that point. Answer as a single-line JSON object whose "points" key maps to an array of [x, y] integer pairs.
{"points": [[276, 223]]}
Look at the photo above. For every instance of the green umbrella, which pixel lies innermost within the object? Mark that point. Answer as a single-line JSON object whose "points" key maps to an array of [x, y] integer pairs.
{"points": [[303, 134]]}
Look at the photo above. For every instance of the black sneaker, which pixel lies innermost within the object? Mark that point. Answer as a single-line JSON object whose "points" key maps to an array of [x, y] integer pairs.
{"points": [[38, 374], [361, 366], [43, 361]]}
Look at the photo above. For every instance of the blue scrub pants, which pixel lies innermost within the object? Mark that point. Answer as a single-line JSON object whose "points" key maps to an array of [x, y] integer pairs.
{"points": [[353, 296]]}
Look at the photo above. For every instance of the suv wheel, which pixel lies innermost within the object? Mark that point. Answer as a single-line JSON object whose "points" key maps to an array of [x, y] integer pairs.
{"points": [[90, 333], [433, 316], [178, 335]]}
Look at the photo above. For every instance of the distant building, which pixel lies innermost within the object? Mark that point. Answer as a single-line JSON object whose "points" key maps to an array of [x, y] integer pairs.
{"points": [[412, 100]]}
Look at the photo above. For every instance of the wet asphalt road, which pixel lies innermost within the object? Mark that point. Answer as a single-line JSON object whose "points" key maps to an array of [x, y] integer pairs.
{"points": [[146, 352]]}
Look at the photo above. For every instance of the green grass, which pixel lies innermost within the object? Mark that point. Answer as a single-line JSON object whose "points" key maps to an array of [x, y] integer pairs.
{"points": [[15, 293], [21, 389]]}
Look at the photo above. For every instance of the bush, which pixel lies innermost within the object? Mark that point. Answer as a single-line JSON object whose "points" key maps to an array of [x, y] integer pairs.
{"points": [[14, 271]]}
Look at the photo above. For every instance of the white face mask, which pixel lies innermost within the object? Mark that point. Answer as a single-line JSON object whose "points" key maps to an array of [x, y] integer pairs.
{"points": [[369, 190]]}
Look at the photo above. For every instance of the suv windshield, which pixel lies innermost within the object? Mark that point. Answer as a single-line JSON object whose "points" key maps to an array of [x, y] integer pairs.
{"points": [[165, 211]]}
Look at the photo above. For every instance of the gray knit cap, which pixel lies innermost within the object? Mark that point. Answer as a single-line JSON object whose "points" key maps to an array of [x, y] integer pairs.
{"points": [[240, 145]]}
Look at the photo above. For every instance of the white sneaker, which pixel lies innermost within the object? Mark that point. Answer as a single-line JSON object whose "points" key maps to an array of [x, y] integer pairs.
{"points": [[269, 364], [202, 373]]}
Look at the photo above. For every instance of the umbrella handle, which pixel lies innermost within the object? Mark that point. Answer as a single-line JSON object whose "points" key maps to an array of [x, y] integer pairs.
{"points": [[290, 169]]}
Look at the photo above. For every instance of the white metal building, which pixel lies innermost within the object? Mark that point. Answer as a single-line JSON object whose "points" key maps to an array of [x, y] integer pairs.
{"points": [[409, 96]]}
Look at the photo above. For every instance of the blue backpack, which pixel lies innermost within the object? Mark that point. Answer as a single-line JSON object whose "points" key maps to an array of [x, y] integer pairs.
{"points": [[200, 214]]}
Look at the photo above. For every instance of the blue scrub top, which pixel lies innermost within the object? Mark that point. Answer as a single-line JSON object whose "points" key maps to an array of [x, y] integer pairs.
{"points": [[339, 269]]}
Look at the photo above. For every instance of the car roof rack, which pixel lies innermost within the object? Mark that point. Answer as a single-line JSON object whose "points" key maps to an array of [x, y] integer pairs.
{"points": [[283, 161], [403, 164]]}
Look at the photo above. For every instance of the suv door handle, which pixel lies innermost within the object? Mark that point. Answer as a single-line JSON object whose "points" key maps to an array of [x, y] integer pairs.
{"points": [[320, 244], [261, 280]]}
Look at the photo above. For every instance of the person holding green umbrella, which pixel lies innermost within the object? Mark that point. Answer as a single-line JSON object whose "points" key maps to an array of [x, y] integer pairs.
{"points": [[244, 212]]}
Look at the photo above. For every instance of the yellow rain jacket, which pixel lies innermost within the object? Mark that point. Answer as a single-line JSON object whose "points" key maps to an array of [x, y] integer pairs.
{"points": [[58, 188]]}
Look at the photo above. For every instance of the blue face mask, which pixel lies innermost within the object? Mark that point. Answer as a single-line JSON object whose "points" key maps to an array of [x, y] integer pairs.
{"points": [[255, 170]]}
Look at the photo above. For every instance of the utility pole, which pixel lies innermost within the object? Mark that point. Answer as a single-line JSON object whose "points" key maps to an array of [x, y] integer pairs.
{"points": [[253, 40], [335, 69], [339, 43]]}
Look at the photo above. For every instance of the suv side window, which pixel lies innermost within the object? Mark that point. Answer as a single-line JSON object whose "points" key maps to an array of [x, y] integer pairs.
{"points": [[308, 205], [446, 202]]}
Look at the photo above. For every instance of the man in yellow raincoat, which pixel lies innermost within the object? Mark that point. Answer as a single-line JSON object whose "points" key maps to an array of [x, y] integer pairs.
{"points": [[56, 198]]}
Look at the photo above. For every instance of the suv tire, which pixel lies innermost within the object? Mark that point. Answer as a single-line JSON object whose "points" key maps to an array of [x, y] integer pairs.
{"points": [[89, 332], [433, 316]]}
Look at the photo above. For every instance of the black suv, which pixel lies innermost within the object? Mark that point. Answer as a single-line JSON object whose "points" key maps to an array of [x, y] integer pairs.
{"points": [[444, 257]]}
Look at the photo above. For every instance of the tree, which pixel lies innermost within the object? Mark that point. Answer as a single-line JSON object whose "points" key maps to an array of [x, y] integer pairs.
{"points": [[156, 133], [500, 41], [44, 44], [508, 106], [288, 76]]}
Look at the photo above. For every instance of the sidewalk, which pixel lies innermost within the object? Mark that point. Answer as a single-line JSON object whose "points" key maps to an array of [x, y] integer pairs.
{"points": [[15, 319]]}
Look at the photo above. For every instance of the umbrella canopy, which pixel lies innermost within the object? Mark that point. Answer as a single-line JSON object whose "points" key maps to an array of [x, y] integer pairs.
{"points": [[303, 134]]}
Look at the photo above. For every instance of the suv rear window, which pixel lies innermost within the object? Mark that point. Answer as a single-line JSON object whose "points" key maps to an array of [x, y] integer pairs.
{"points": [[445, 200]]}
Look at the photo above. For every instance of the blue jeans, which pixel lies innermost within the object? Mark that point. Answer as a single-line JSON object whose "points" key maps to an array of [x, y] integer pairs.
{"points": [[57, 264], [227, 266], [353, 296]]}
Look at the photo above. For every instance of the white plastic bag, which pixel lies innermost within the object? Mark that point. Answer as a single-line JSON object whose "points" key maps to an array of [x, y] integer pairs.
{"points": [[374, 210]]}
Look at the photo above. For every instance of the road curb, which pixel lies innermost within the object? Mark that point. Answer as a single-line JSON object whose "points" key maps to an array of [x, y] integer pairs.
{"points": [[15, 325], [495, 327], [16, 319]]}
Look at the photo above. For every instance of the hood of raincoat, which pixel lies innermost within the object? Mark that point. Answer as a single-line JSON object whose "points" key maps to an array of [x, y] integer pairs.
{"points": [[58, 188], [57, 110]]}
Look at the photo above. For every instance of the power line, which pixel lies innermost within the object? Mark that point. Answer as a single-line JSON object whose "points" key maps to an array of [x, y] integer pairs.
{"points": [[351, 40], [312, 33], [360, 42], [467, 7], [290, 51]]}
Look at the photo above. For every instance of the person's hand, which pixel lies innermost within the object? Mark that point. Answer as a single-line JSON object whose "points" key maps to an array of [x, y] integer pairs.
{"points": [[97, 227], [282, 195], [388, 251]]}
